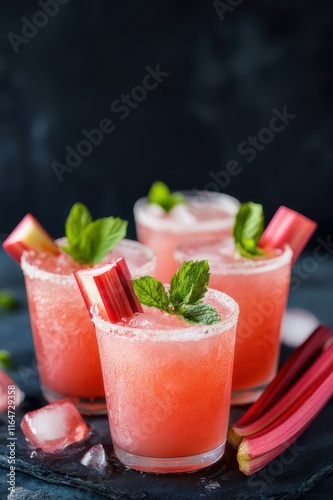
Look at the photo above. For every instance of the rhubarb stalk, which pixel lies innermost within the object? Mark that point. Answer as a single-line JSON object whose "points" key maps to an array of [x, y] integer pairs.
{"points": [[288, 226], [109, 286], [249, 467], [29, 235], [289, 373], [320, 366], [257, 450]]}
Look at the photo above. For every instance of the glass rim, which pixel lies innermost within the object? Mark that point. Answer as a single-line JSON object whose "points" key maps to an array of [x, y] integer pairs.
{"points": [[34, 272], [194, 332], [226, 201], [240, 265]]}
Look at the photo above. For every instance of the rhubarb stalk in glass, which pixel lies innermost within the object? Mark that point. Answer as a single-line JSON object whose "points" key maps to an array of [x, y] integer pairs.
{"points": [[109, 286], [288, 226], [29, 235]]}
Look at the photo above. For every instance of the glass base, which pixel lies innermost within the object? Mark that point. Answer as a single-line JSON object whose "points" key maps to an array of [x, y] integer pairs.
{"points": [[170, 464], [86, 406], [247, 396]]}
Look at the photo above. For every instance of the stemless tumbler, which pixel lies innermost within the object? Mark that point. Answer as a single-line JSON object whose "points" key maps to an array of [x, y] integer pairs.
{"points": [[205, 214], [64, 338], [260, 286], [168, 387]]}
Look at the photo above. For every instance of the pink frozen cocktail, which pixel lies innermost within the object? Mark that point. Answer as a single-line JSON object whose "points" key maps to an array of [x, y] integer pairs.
{"points": [[167, 356], [260, 286], [168, 386], [204, 214], [254, 267], [64, 337]]}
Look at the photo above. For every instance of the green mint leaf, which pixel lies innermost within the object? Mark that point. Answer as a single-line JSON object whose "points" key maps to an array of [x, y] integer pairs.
{"points": [[189, 284], [248, 228], [151, 292], [89, 241], [8, 301], [187, 287], [78, 219], [160, 194], [5, 359], [100, 236], [200, 313]]}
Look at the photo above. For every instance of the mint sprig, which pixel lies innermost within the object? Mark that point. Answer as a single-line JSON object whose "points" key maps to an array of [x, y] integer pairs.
{"points": [[187, 287], [248, 228], [160, 194], [88, 240]]}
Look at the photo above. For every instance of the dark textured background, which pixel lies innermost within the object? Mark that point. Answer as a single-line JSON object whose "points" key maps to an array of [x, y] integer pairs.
{"points": [[225, 79]]}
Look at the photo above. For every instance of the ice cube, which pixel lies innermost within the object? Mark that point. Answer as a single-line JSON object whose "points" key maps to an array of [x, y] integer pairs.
{"points": [[181, 213], [95, 458], [10, 393], [155, 210], [54, 426], [155, 319]]}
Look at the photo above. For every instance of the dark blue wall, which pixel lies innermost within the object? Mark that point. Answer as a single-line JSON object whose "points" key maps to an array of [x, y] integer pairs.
{"points": [[227, 70]]}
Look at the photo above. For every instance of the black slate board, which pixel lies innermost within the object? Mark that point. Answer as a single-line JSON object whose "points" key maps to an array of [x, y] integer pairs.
{"points": [[305, 470], [305, 467]]}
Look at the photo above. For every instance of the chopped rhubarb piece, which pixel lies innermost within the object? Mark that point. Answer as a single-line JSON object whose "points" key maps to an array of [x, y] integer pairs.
{"points": [[289, 373], [95, 458], [257, 450], [10, 393], [323, 362], [88, 288], [125, 278], [54, 426], [109, 286], [29, 235], [288, 226], [113, 295]]}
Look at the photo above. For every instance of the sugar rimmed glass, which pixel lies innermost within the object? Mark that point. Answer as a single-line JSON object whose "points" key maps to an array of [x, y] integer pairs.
{"points": [[260, 286], [168, 387], [206, 214], [64, 338]]}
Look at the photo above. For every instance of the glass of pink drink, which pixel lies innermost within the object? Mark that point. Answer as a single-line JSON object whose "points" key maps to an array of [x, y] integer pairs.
{"points": [[168, 386], [64, 337], [260, 286], [206, 214]]}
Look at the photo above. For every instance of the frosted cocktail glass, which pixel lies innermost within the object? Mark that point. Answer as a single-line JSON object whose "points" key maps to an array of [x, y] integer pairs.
{"points": [[206, 214], [168, 387], [64, 337], [260, 286]]}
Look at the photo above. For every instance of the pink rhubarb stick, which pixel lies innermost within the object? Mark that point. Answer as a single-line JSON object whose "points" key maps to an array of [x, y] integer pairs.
{"points": [[29, 235], [287, 427], [323, 363], [109, 286], [288, 226], [289, 373]]}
